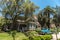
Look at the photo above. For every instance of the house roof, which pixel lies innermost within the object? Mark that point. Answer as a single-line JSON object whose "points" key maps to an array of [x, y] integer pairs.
{"points": [[33, 18], [20, 20], [38, 24]]}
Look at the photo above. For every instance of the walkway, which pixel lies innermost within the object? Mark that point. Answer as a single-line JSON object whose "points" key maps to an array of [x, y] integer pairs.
{"points": [[54, 36]]}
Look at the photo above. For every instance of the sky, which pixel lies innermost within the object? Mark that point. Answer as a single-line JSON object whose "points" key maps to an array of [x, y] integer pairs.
{"points": [[43, 3]]}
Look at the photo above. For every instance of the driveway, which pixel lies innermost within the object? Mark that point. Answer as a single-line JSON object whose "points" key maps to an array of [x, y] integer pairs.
{"points": [[54, 36]]}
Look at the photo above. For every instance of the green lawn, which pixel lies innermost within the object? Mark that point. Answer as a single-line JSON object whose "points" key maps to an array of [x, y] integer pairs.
{"points": [[6, 36]]}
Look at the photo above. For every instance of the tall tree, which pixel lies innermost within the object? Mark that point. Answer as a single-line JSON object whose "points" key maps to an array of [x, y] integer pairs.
{"points": [[29, 8], [44, 16], [48, 11], [14, 8]]}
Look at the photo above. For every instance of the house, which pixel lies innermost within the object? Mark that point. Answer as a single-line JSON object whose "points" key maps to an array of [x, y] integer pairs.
{"points": [[30, 23], [22, 24]]}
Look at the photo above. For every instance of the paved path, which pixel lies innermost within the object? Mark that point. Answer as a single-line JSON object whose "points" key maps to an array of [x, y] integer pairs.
{"points": [[54, 36]]}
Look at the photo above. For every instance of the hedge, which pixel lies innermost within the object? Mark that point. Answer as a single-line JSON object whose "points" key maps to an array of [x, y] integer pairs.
{"points": [[38, 37]]}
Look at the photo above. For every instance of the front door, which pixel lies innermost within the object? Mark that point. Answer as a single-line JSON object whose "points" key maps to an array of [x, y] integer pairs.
{"points": [[22, 27]]}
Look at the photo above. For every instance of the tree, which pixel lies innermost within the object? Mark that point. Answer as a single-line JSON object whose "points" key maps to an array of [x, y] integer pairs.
{"points": [[40, 18], [2, 21], [14, 8], [48, 11], [44, 16], [29, 8]]}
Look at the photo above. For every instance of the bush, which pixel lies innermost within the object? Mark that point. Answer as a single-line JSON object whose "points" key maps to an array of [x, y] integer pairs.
{"points": [[58, 29], [30, 33], [46, 37], [37, 30], [52, 30], [35, 38], [38, 37], [43, 37], [32, 36]]}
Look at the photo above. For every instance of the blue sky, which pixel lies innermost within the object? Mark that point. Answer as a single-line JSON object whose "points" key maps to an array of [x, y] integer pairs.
{"points": [[43, 3]]}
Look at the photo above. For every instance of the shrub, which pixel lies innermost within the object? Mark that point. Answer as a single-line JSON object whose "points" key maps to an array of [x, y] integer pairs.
{"points": [[43, 37], [38, 37], [37, 30], [34, 38], [52, 30], [46, 37], [58, 29], [30, 33]]}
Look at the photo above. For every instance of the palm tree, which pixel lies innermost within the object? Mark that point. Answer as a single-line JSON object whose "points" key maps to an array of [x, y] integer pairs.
{"points": [[29, 8], [42, 19], [48, 11]]}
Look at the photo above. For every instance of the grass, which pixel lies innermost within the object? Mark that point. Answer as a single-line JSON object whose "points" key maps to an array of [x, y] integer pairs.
{"points": [[6, 36]]}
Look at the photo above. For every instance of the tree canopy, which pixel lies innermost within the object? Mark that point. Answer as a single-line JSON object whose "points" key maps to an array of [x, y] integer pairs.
{"points": [[13, 9]]}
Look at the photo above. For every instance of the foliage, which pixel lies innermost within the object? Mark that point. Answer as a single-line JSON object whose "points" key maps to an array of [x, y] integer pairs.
{"points": [[2, 21], [13, 9], [33, 35], [46, 37], [52, 29], [34, 38], [43, 37], [44, 16], [30, 33], [37, 30], [58, 29]]}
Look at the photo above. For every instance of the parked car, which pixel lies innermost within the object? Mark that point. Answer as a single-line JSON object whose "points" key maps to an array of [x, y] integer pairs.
{"points": [[45, 31]]}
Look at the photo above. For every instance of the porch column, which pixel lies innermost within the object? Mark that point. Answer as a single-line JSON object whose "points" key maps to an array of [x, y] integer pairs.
{"points": [[33, 26], [30, 26], [18, 27]]}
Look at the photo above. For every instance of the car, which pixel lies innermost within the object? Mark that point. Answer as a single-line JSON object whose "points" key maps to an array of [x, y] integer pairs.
{"points": [[45, 31]]}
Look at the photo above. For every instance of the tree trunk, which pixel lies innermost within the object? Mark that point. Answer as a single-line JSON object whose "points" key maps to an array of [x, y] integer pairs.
{"points": [[56, 33], [48, 20]]}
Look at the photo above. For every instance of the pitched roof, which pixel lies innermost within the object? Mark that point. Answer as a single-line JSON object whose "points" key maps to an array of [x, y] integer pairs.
{"points": [[33, 18]]}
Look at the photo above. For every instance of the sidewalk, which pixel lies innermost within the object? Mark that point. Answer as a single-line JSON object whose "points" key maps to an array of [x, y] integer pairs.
{"points": [[54, 36]]}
